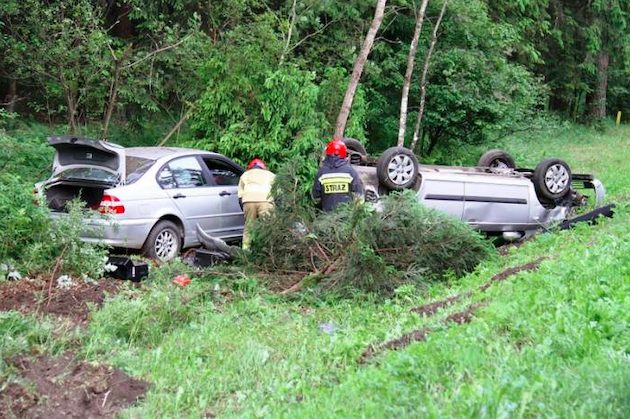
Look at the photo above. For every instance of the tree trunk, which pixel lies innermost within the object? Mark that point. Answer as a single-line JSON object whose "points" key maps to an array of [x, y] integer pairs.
{"points": [[113, 88], [425, 71], [598, 109], [175, 128], [287, 45], [342, 118], [411, 59], [111, 103], [12, 96], [72, 111]]}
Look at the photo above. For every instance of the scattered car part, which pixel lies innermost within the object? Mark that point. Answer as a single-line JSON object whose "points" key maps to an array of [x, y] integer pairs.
{"points": [[126, 268], [14, 276], [205, 258], [397, 168], [64, 281], [607, 211], [216, 250], [182, 280], [496, 159], [552, 180], [215, 244]]}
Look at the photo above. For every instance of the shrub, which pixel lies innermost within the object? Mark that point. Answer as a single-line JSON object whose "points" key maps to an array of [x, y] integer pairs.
{"points": [[26, 155], [62, 242], [21, 221]]}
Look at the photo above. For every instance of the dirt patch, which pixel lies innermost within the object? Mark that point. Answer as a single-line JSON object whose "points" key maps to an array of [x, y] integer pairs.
{"points": [[502, 276], [432, 308], [464, 316], [65, 387], [16, 401], [395, 344], [504, 249], [31, 296]]}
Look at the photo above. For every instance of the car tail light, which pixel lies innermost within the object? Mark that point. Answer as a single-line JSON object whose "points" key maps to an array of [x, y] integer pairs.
{"points": [[110, 205]]}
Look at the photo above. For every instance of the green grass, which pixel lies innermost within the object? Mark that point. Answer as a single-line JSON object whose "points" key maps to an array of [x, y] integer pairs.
{"points": [[552, 342]]}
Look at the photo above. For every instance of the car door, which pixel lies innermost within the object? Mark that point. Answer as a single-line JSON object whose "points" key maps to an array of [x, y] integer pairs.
{"points": [[443, 192], [225, 175], [192, 193], [496, 203]]}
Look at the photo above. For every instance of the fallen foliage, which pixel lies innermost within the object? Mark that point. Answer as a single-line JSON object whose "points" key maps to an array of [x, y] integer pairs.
{"points": [[358, 247]]}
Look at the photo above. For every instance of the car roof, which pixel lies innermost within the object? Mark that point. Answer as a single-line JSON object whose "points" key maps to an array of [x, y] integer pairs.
{"points": [[156, 153]]}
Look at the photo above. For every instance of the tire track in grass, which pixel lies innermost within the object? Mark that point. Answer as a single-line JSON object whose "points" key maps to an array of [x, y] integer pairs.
{"points": [[419, 335], [430, 309], [460, 317]]}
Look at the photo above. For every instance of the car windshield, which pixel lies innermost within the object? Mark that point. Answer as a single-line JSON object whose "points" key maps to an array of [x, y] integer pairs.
{"points": [[91, 174], [136, 167]]}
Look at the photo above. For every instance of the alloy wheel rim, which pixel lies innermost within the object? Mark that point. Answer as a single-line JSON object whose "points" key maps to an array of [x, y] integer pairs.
{"points": [[165, 245], [556, 178], [499, 164], [400, 169]]}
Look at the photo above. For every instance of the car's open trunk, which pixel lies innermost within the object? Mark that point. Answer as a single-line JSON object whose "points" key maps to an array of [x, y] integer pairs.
{"points": [[57, 196]]}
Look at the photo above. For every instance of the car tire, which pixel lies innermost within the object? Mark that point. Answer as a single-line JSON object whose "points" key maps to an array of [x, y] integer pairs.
{"points": [[552, 180], [356, 150], [397, 168], [354, 145], [164, 241], [496, 159]]}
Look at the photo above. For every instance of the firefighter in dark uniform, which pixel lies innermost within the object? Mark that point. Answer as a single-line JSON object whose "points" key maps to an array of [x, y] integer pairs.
{"points": [[336, 181]]}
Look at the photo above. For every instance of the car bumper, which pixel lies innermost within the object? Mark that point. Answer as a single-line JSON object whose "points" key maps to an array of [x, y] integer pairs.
{"points": [[116, 233]]}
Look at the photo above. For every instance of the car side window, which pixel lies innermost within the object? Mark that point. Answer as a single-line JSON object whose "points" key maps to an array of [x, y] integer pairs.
{"points": [[222, 173], [185, 172]]}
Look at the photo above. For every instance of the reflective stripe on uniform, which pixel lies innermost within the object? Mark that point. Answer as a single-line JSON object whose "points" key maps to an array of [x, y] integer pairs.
{"points": [[333, 183]]}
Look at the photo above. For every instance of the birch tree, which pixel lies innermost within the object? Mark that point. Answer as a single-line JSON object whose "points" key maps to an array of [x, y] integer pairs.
{"points": [[425, 71], [359, 63], [411, 59]]}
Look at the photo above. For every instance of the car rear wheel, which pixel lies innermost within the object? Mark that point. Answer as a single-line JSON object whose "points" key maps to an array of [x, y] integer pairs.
{"points": [[164, 241], [496, 159], [356, 150], [397, 168], [552, 180]]}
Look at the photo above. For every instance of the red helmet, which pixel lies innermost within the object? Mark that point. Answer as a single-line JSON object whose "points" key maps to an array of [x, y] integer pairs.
{"points": [[336, 148], [257, 163]]}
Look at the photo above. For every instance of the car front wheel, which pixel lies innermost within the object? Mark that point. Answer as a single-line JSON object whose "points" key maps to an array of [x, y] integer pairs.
{"points": [[164, 241]]}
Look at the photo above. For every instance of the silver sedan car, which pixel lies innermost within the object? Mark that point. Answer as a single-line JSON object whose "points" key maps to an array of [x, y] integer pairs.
{"points": [[153, 197]]}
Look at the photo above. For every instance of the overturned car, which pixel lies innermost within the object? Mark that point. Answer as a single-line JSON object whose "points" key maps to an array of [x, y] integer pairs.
{"points": [[495, 196]]}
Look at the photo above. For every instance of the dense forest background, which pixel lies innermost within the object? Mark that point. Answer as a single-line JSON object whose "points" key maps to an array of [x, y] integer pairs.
{"points": [[267, 77]]}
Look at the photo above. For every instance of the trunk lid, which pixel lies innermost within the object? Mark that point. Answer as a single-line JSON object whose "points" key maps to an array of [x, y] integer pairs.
{"points": [[87, 161]]}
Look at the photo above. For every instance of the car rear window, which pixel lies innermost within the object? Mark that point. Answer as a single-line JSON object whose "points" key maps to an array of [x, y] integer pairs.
{"points": [[91, 174], [136, 167]]}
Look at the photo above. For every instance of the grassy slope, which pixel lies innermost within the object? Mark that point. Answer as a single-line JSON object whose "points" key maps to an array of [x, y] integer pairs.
{"points": [[553, 342]]}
